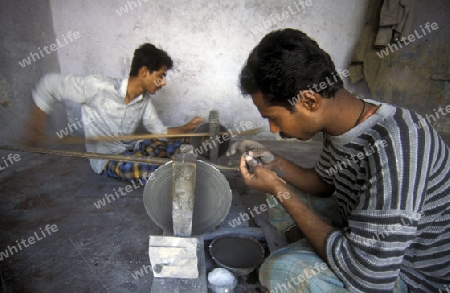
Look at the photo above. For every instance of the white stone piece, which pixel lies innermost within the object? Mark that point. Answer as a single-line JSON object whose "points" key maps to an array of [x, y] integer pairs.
{"points": [[173, 257]]}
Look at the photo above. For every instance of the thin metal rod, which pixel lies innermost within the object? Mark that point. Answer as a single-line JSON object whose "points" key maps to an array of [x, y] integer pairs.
{"points": [[77, 154]]}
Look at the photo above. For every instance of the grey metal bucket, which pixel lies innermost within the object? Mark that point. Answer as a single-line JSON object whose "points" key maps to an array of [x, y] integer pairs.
{"points": [[240, 254], [212, 198]]}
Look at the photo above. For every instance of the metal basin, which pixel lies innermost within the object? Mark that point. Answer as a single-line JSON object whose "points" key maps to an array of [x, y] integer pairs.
{"points": [[239, 254], [212, 198]]}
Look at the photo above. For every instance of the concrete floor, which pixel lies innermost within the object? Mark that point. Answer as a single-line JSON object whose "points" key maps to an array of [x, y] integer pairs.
{"points": [[93, 250]]}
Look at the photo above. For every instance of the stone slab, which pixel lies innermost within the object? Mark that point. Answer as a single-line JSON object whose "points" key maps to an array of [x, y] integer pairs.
{"points": [[198, 285], [174, 257]]}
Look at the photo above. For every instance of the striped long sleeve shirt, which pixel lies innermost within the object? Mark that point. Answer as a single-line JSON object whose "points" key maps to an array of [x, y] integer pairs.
{"points": [[392, 183]]}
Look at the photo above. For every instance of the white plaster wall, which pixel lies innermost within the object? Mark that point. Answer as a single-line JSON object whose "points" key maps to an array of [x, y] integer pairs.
{"points": [[208, 40], [24, 27]]}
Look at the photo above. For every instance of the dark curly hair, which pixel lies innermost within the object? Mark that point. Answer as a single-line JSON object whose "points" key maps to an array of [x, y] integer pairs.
{"points": [[151, 57], [284, 63]]}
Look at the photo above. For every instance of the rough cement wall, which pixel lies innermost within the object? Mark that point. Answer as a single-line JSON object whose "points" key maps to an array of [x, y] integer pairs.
{"points": [[24, 27], [209, 43], [417, 76], [208, 40]]}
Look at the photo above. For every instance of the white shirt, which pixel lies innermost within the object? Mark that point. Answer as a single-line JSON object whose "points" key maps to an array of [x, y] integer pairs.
{"points": [[103, 109]]}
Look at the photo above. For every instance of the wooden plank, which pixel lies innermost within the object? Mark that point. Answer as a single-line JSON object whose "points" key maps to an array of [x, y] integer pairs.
{"points": [[214, 128], [184, 168]]}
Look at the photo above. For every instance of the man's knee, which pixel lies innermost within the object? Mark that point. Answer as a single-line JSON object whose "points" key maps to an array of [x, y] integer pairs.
{"points": [[288, 271]]}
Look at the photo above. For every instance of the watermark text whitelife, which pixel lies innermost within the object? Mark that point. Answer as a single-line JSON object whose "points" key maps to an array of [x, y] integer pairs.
{"points": [[123, 191], [341, 165], [140, 273], [35, 56], [10, 160], [434, 116], [271, 202], [295, 282], [318, 87], [380, 235], [408, 40], [77, 125], [219, 139], [130, 6], [37, 236], [273, 19], [172, 75]]}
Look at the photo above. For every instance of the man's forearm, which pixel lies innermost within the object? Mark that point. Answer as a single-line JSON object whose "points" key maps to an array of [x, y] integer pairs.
{"points": [[311, 225], [186, 128], [306, 180], [177, 130]]}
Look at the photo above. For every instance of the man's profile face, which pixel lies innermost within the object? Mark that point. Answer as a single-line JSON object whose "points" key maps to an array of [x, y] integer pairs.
{"points": [[155, 80], [299, 124]]}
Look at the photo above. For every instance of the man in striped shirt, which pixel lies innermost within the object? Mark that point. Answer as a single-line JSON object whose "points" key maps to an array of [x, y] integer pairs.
{"points": [[385, 168]]}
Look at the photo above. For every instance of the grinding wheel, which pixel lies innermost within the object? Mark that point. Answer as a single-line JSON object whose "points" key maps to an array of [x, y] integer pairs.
{"points": [[212, 198], [197, 141]]}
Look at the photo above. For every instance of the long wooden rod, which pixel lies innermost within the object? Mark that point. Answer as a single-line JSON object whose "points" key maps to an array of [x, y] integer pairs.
{"points": [[76, 139], [88, 155]]}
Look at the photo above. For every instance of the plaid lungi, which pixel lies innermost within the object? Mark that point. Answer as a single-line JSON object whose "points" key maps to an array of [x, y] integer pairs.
{"points": [[296, 267], [139, 172]]}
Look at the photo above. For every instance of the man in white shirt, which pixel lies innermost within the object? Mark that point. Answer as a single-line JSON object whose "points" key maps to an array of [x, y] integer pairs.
{"points": [[114, 107]]}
